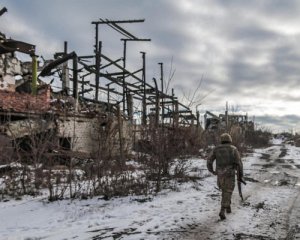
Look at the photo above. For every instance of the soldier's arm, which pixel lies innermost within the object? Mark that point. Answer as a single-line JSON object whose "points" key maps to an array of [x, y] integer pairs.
{"points": [[238, 162], [210, 162]]}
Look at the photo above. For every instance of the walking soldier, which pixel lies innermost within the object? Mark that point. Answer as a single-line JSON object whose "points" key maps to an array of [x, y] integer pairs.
{"points": [[228, 161]]}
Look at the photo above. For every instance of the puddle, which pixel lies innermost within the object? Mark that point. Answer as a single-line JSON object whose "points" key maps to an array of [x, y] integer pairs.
{"points": [[267, 165], [265, 156], [241, 236], [249, 179], [287, 166], [279, 160], [290, 160], [283, 152]]}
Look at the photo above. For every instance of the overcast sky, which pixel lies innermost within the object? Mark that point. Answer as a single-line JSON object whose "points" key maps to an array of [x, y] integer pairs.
{"points": [[248, 52]]}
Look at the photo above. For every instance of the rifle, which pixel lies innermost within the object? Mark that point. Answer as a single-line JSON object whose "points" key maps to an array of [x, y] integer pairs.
{"points": [[240, 180]]}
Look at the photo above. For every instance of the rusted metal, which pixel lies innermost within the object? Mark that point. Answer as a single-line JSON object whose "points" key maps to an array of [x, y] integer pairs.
{"points": [[173, 105], [3, 10], [129, 98], [82, 92], [75, 76], [162, 91], [106, 21], [156, 103], [111, 63], [10, 45], [176, 115], [124, 73], [65, 71], [98, 62], [46, 71], [136, 39], [120, 126], [144, 107]]}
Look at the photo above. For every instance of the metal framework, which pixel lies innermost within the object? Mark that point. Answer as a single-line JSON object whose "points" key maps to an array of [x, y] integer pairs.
{"points": [[167, 108]]}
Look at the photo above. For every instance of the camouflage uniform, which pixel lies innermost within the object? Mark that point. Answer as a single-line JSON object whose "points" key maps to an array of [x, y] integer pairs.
{"points": [[227, 161]]}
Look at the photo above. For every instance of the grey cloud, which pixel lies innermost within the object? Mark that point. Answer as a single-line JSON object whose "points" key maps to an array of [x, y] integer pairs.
{"points": [[285, 97], [285, 61], [280, 122], [271, 8], [252, 33], [225, 38]]}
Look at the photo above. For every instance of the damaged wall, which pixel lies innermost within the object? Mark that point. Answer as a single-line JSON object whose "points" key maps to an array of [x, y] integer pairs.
{"points": [[23, 102], [10, 66], [78, 130], [87, 134]]}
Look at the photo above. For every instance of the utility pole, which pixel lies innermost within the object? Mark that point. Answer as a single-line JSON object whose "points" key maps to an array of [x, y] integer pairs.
{"points": [[97, 60], [131, 38], [173, 106], [162, 92], [226, 117], [75, 77], [124, 66], [198, 115], [144, 110]]}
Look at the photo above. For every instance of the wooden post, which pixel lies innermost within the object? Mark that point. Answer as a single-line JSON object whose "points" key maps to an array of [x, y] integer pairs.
{"points": [[176, 115], [198, 119], [144, 110], [129, 99], [162, 92], [120, 124]]}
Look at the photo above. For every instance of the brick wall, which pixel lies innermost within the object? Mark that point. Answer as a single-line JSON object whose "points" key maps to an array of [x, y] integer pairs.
{"points": [[80, 131], [23, 102], [85, 135]]}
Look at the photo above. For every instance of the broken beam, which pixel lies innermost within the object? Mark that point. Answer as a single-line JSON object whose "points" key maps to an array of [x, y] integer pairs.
{"points": [[118, 21]]}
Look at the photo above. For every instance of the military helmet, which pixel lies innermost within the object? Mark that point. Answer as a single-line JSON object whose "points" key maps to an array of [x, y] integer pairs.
{"points": [[226, 138]]}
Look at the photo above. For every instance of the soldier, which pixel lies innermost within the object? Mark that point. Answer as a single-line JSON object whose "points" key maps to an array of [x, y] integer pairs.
{"points": [[227, 161]]}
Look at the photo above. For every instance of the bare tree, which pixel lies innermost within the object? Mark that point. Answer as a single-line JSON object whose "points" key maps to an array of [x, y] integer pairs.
{"points": [[195, 97]]}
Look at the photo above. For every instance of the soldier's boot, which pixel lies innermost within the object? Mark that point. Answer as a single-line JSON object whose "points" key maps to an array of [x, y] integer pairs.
{"points": [[222, 213], [228, 209]]}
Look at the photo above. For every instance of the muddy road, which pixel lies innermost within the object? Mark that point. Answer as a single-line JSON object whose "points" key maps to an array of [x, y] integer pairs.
{"points": [[271, 206]]}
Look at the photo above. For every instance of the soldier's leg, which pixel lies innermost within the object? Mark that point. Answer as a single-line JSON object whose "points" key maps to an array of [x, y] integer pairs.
{"points": [[225, 203], [222, 211], [230, 183], [226, 198], [228, 209], [221, 183], [228, 187]]}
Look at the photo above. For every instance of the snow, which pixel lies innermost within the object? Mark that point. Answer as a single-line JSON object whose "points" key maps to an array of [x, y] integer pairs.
{"points": [[189, 211]]}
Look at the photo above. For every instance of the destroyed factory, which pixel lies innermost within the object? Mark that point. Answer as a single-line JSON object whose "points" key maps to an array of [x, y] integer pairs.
{"points": [[83, 102]]}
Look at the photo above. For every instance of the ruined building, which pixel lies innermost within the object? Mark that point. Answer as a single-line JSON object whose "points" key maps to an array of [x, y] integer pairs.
{"points": [[28, 108], [226, 122], [81, 122]]}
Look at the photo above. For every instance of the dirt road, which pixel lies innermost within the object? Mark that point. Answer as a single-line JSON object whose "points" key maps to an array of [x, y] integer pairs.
{"points": [[271, 209]]}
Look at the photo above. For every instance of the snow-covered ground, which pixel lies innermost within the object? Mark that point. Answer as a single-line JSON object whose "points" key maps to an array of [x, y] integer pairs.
{"points": [[271, 209]]}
